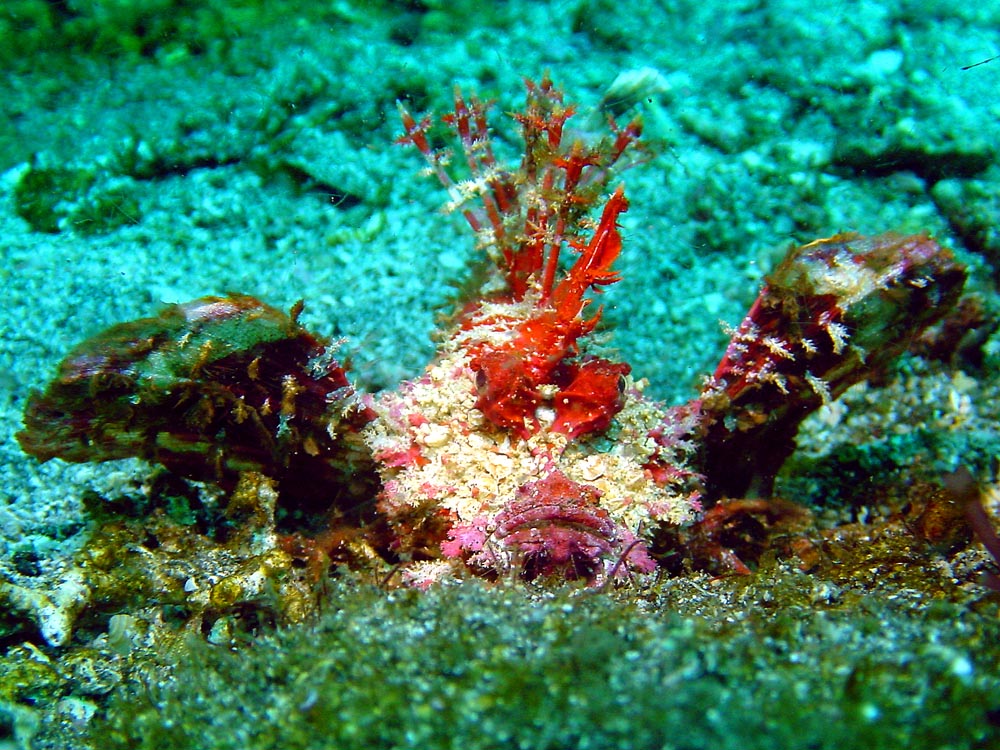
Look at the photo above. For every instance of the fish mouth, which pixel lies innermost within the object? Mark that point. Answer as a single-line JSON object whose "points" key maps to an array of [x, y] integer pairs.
{"points": [[553, 527], [553, 541]]}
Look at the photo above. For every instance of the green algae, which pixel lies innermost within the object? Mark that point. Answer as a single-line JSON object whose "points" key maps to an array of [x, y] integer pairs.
{"points": [[479, 666], [172, 31], [168, 29], [53, 199]]}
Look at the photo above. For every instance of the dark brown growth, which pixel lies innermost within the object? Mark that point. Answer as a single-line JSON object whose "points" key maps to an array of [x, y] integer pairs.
{"points": [[208, 389], [833, 313]]}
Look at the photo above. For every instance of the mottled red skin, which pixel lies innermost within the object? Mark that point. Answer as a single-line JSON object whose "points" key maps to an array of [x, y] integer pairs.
{"points": [[593, 395], [592, 399], [555, 527], [789, 344], [507, 396]]}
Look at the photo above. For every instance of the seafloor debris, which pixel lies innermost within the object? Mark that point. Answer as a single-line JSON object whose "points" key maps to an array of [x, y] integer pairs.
{"points": [[516, 450]]}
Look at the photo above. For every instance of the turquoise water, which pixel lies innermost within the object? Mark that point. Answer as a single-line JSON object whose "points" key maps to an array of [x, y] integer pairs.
{"points": [[155, 152]]}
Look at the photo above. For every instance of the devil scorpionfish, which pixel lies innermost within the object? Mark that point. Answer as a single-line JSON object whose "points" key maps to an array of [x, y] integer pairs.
{"points": [[516, 451]]}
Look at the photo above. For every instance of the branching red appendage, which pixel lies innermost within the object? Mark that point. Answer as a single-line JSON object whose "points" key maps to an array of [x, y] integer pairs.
{"points": [[526, 216], [593, 268], [590, 394]]}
